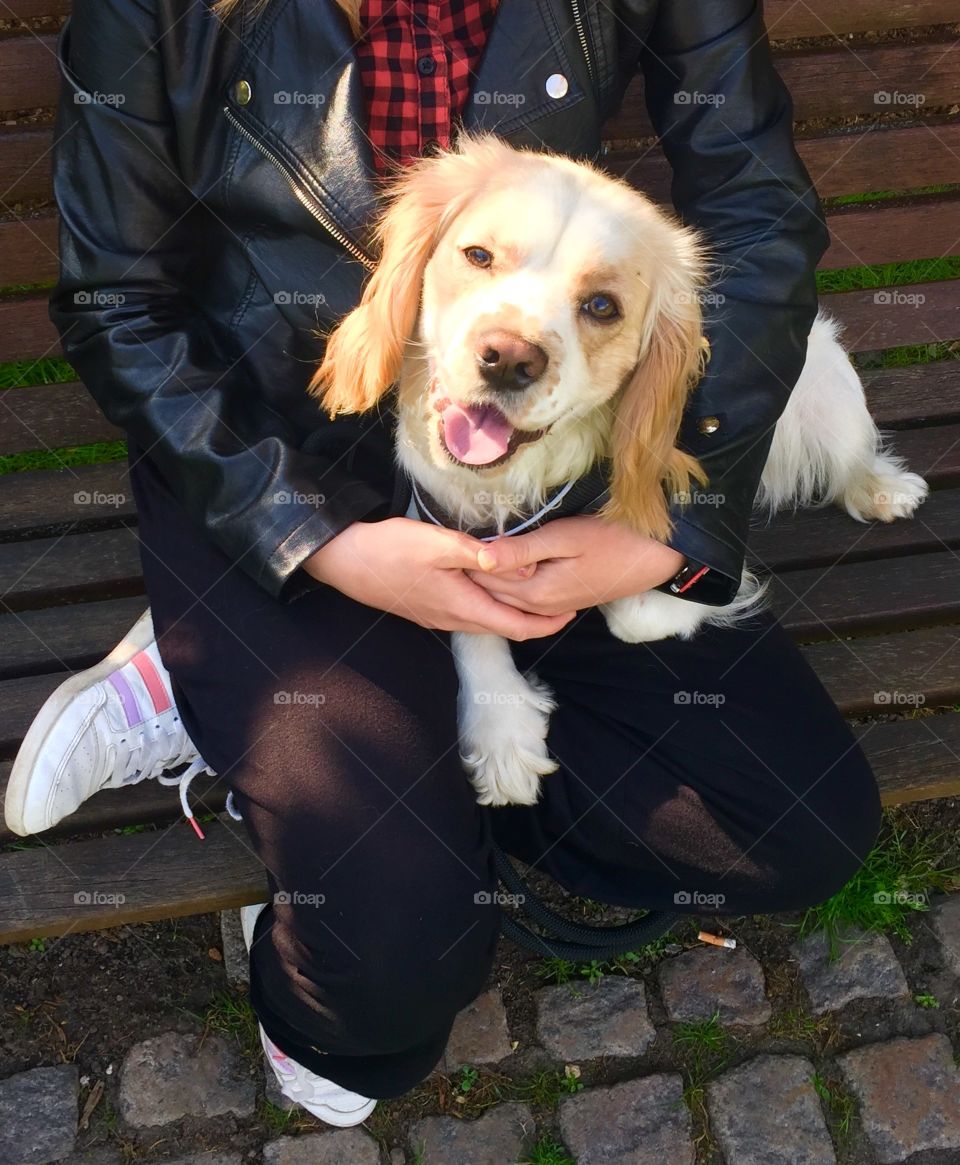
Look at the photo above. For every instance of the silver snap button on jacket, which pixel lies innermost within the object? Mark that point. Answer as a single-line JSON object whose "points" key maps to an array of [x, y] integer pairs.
{"points": [[557, 85]]}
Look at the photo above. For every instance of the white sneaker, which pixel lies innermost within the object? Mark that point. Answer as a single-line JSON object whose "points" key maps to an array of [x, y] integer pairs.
{"points": [[324, 1099], [114, 724]]}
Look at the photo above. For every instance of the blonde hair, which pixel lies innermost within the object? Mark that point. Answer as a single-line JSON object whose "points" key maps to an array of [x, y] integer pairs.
{"points": [[350, 9]]}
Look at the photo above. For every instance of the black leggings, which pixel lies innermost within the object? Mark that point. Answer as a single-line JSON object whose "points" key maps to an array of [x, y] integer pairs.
{"points": [[714, 776]]}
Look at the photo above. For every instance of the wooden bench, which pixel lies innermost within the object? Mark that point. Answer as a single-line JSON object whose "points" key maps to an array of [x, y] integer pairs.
{"points": [[877, 609]]}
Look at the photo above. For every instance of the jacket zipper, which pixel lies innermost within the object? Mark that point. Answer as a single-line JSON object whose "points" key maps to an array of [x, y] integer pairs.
{"points": [[582, 34], [303, 197]]}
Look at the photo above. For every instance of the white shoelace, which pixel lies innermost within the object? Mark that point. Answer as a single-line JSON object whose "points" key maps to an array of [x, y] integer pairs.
{"points": [[183, 781]]}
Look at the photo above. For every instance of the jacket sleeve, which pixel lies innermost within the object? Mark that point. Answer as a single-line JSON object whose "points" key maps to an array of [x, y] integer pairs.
{"points": [[724, 118], [140, 344]]}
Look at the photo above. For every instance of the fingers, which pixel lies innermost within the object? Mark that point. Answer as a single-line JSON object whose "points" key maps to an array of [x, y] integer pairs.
{"points": [[501, 618], [515, 552]]}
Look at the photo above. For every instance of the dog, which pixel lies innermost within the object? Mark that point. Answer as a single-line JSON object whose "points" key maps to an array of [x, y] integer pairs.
{"points": [[540, 318]]}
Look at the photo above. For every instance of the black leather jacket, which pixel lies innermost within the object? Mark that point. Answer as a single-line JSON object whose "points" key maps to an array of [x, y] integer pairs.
{"points": [[216, 192]]}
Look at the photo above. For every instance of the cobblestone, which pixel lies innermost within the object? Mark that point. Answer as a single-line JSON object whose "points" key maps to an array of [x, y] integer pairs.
{"points": [[639, 1122], [946, 926], [175, 1075], [581, 1022], [500, 1135], [866, 968], [339, 1147], [38, 1115], [909, 1093], [480, 1034], [704, 980], [767, 1112]]}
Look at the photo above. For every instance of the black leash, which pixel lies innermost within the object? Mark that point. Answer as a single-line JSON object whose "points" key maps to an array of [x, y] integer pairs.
{"points": [[564, 939]]}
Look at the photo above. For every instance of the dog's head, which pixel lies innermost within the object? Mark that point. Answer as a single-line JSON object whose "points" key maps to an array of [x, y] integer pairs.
{"points": [[537, 314]]}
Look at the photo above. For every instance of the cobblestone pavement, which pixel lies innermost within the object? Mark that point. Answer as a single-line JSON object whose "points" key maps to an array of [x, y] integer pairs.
{"points": [[769, 1054]]}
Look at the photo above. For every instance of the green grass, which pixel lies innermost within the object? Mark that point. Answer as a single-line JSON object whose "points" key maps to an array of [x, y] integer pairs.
{"points": [[232, 1016], [22, 373], [547, 1152], [562, 971], [886, 195], [702, 1045], [838, 1101], [889, 274], [95, 454], [895, 882], [927, 1002]]}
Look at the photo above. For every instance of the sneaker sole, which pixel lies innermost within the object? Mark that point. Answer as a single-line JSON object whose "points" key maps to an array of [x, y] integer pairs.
{"points": [[139, 636]]}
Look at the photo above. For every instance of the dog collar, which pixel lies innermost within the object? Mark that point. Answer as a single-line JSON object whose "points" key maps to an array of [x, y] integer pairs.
{"points": [[585, 495]]}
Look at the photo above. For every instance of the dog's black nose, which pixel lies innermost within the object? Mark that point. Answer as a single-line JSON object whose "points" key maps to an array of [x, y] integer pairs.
{"points": [[508, 361]]}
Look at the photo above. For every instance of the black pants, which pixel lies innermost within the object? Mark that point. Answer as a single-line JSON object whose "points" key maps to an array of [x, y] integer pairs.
{"points": [[713, 776]]}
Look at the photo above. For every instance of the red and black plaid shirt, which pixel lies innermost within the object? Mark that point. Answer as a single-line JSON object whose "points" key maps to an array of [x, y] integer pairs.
{"points": [[417, 60]]}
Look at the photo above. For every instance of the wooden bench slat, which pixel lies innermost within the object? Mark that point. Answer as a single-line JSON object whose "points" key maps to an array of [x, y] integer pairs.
{"points": [[914, 760], [888, 317], [852, 161], [29, 9], [73, 637], [786, 19], [891, 232], [29, 78], [26, 332], [859, 598], [26, 164], [50, 416], [826, 536], [934, 453], [158, 875], [28, 249], [853, 671], [837, 83], [147, 803], [70, 569], [916, 393], [42, 502]]}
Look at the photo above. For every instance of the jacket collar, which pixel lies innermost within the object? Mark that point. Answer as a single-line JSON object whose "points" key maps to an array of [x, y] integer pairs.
{"points": [[305, 102]]}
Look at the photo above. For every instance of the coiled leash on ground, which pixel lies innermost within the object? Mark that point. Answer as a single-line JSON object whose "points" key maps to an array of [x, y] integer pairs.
{"points": [[565, 939]]}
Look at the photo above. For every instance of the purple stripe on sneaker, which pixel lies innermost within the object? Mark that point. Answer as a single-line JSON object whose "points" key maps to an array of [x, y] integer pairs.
{"points": [[128, 697]]}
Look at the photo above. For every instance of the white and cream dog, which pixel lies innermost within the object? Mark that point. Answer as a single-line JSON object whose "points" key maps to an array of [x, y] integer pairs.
{"points": [[538, 316]]}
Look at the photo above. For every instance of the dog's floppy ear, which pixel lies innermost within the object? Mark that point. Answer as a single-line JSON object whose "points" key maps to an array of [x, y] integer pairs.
{"points": [[364, 354], [647, 467]]}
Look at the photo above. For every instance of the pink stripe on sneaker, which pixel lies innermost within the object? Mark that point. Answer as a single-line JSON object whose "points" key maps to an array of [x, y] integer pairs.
{"points": [[151, 677], [128, 698]]}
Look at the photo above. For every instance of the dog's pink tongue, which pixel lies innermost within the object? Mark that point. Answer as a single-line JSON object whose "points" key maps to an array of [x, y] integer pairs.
{"points": [[475, 434]]}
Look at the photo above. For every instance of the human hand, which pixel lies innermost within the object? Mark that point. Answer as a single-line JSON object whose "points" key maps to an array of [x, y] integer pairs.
{"points": [[572, 563], [423, 573]]}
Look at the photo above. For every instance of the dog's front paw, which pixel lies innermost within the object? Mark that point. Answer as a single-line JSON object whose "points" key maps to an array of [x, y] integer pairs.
{"points": [[503, 740]]}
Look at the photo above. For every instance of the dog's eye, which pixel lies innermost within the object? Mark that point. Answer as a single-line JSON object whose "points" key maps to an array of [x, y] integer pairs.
{"points": [[600, 307], [478, 256]]}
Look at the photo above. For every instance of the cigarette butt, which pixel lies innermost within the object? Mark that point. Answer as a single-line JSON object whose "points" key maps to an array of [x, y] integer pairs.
{"points": [[716, 941]]}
